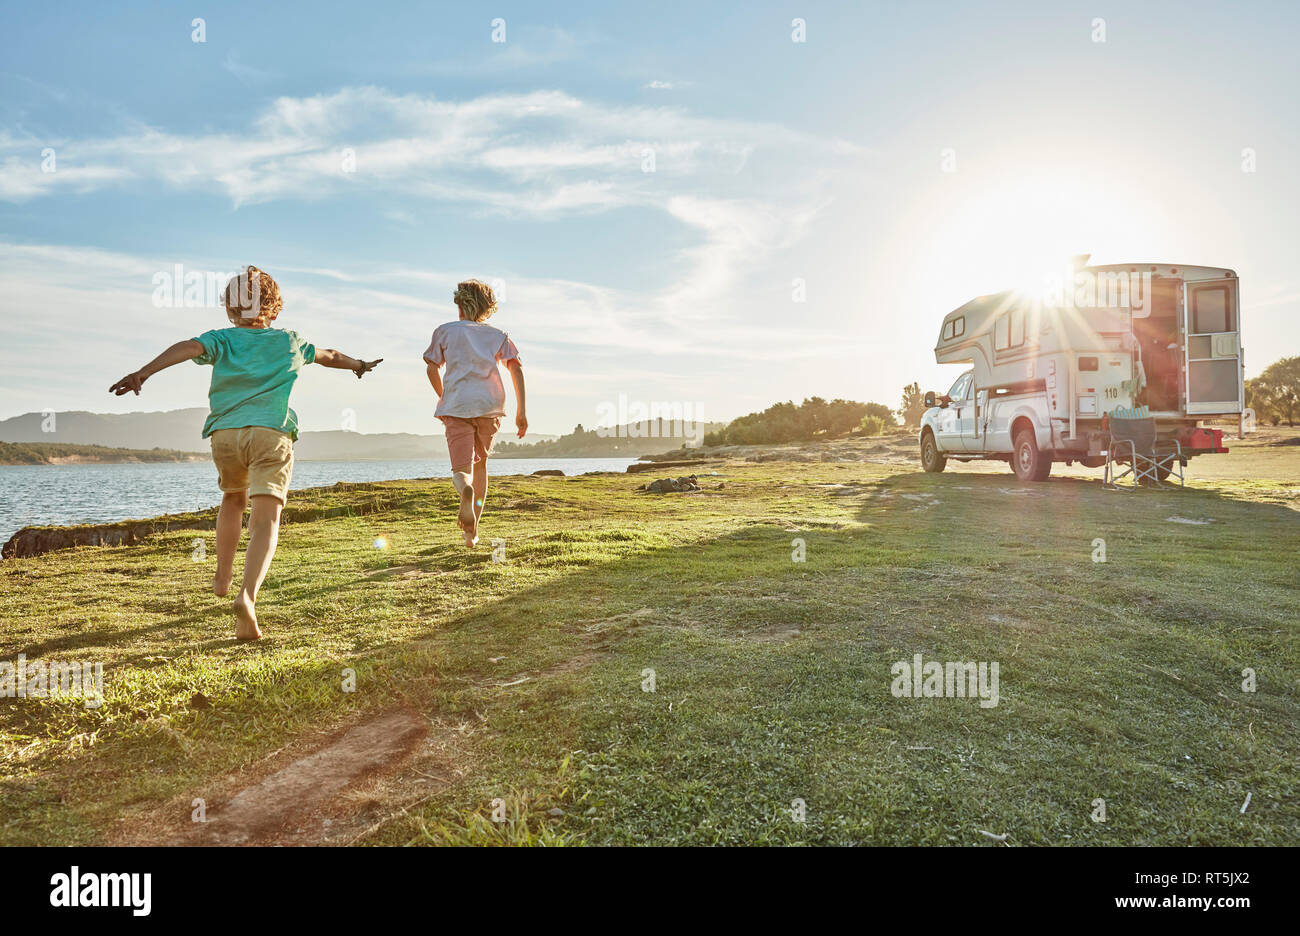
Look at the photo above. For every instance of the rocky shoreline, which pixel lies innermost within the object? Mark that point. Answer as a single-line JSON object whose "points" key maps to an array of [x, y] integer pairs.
{"points": [[894, 448], [111, 460], [34, 541]]}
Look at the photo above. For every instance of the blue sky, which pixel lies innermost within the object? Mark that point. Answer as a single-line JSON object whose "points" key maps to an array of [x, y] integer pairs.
{"points": [[522, 161]]}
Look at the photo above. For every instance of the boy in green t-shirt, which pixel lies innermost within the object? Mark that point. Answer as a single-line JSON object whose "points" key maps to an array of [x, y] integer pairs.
{"points": [[250, 425]]}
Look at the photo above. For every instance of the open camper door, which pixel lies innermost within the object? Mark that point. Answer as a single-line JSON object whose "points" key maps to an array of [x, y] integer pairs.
{"points": [[1212, 352]]}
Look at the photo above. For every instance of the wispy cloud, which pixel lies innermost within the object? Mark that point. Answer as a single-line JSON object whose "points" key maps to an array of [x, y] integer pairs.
{"points": [[553, 316], [581, 343], [543, 154], [248, 74], [539, 152]]}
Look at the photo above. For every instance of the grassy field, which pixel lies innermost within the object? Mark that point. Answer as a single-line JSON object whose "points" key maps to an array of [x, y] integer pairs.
{"points": [[1119, 680]]}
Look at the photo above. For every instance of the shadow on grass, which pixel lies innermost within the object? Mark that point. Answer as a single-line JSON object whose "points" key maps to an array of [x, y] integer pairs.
{"points": [[962, 548]]}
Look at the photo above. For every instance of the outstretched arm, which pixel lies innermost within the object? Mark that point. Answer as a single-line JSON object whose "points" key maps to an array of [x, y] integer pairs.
{"points": [[186, 350], [328, 357], [521, 414]]}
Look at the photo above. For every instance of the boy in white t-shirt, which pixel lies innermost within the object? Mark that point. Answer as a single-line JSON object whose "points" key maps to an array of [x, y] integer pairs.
{"points": [[472, 398]]}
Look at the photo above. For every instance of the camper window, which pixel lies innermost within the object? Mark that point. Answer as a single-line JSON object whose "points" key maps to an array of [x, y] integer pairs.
{"points": [[959, 326], [1017, 328], [1009, 330], [1210, 310], [947, 331]]}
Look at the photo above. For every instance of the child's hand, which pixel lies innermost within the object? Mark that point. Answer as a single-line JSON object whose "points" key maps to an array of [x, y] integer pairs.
{"points": [[521, 422], [365, 367], [131, 383]]}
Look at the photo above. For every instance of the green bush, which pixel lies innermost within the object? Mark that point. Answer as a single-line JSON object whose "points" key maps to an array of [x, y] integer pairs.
{"points": [[871, 425], [814, 418]]}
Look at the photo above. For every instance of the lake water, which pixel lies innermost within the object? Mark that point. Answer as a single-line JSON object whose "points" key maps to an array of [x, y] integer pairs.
{"points": [[42, 495]]}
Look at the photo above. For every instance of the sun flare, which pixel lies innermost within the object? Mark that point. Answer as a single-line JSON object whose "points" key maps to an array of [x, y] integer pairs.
{"points": [[1021, 233]]}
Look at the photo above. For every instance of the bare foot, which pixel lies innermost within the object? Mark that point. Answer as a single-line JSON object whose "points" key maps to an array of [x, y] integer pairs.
{"points": [[246, 615], [466, 519], [221, 586]]}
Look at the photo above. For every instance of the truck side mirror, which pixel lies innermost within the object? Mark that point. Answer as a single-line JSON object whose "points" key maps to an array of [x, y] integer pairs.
{"points": [[929, 399]]}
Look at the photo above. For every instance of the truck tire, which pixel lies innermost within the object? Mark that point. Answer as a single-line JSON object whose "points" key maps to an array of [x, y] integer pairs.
{"points": [[932, 460], [1027, 461]]}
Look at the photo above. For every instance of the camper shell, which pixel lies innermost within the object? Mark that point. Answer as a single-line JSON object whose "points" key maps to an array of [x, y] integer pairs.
{"points": [[1117, 337]]}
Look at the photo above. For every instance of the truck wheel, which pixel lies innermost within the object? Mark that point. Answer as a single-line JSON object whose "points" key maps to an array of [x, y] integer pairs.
{"points": [[932, 460], [1027, 461]]}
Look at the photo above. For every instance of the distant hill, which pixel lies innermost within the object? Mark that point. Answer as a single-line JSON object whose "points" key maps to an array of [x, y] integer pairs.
{"points": [[175, 429], [338, 445], [181, 431]]}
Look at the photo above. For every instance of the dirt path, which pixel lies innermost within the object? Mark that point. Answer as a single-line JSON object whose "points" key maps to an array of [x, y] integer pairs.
{"points": [[320, 790], [331, 789], [307, 785]]}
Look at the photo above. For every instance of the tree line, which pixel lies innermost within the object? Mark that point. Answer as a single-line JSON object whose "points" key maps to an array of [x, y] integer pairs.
{"points": [[1275, 394], [814, 418]]}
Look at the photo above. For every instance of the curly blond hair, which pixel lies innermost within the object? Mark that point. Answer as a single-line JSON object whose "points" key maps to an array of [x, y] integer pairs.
{"points": [[475, 299], [253, 298]]}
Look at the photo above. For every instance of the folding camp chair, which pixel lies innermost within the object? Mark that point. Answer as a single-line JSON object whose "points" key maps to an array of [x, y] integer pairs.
{"points": [[1134, 447]]}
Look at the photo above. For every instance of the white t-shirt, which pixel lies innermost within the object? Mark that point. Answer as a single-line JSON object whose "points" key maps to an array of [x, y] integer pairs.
{"points": [[472, 383]]}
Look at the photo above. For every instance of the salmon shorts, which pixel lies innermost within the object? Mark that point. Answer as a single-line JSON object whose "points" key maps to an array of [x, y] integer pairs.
{"points": [[253, 459], [470, 440]]}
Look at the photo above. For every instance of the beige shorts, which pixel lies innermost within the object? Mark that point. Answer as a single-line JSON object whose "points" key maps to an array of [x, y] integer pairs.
{"points": [[253, 459]]}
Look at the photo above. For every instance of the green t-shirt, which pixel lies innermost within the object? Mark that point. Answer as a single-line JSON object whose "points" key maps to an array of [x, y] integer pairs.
{"points": [[253, 370]]}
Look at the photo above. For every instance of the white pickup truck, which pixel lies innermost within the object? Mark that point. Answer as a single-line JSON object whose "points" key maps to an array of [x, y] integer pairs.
{"points": [[1163, 339], [967, 424]]}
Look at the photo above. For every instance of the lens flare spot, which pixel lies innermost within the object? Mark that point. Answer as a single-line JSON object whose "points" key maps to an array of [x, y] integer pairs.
{"points": [[381, 542]]}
